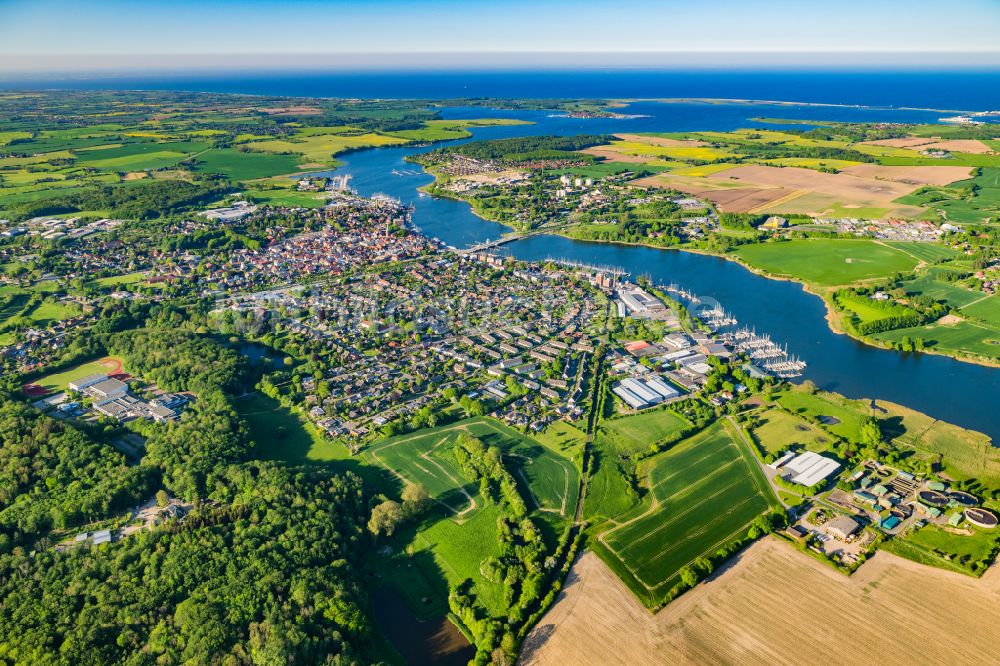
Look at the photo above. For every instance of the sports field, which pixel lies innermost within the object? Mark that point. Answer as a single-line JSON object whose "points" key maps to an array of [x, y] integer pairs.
{"points": [[58, 381], [827, 262], [426, 458], [704, 493]]}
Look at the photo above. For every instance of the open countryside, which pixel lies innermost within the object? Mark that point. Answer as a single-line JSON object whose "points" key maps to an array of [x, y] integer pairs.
{"points": [[400, 335]]}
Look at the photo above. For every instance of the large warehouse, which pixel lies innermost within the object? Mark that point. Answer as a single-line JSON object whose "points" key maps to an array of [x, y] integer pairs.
{"points": [[808, 469], [642, 393]]}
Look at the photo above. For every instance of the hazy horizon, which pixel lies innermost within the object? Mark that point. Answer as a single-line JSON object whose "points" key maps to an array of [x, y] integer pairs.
{"points": [[353, 34]]}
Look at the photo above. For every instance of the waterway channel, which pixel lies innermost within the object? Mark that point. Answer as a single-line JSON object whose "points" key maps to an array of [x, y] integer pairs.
{"points": [[962, 393]]}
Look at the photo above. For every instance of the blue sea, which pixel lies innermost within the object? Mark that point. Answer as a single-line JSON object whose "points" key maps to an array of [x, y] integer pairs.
{"points": [[946, 89]]}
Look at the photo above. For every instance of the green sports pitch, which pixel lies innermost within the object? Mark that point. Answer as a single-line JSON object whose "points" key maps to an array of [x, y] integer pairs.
{"points": [[705, 492]]}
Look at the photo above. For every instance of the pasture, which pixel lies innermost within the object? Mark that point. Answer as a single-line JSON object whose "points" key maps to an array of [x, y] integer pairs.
{"points": [[966, 454], [280, 434], [840, 416], [827, 262], [608, 491], [936, 547], [633, 434], [777, 430], [548, 481], [46, 314], [704, 493], [961, 337]]}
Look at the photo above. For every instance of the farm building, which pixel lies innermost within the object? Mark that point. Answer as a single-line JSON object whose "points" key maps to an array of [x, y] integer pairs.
{"points": [[843, 527], [808, 469]]}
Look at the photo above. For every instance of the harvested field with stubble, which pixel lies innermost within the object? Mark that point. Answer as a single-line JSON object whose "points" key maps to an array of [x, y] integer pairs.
{"points": [[932, 143], [916, 175], [775, 605]]}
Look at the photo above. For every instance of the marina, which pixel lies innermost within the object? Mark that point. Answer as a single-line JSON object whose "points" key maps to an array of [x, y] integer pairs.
{"points": [[782, 308]]}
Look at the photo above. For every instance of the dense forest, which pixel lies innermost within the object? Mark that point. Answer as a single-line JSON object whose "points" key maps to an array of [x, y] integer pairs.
{"points": [[522, 148], [138, 200], [263, 570], [265, 576], [55, 475]]}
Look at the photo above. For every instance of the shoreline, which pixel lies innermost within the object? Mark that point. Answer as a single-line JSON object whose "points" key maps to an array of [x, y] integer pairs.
{"points": [[832, 320]]}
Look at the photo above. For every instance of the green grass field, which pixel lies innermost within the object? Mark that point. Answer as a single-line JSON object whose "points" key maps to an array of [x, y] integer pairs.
{"points": [[704, 493], [238, 165], [964, 338], [929, 252], [632, 434], [287, 197], [564, 438], [840, 416], [280, 434], [778, 430], [607, 489], [937, 547], [58, 381], [46, 314], [549, 481], [946, 292], [967, 454], [827, 262], [440, 555], [987, 309], [320, 148], [115, 280]]}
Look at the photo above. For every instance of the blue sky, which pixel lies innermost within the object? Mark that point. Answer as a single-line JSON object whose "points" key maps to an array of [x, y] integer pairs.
{"points": [[50, 32]]}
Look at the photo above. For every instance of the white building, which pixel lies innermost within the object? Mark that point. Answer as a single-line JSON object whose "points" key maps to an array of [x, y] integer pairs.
{"points": [[808, 469], [84, 382]]}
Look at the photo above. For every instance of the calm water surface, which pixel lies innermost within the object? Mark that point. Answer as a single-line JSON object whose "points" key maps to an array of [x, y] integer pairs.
{"points": [[963, 393]]}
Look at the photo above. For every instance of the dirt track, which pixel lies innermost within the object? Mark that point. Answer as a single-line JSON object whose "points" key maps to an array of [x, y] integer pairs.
{"points": [[775, 605]]}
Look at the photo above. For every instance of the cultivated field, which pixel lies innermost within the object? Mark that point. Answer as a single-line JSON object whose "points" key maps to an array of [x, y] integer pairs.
{"points": [[931, 143], [775, 605], [704, 493], [914, 175], [780, 172]]}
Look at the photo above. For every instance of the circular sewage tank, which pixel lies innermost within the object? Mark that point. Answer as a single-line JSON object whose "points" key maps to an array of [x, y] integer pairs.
{"points": [[981, 518], [933, 498], [965, 499]]}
